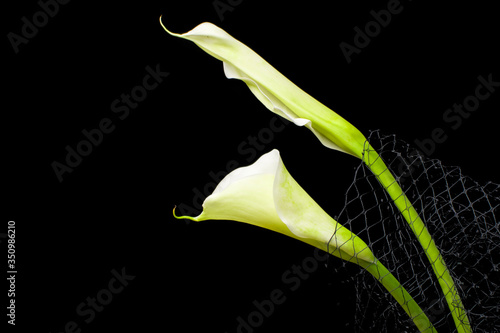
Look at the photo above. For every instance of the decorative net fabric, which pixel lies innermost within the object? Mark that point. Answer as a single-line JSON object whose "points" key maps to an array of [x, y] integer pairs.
{"points": [[459, 213]]}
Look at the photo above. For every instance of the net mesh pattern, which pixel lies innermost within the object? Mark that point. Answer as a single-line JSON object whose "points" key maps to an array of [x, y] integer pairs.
{"points": [[459, 213]]}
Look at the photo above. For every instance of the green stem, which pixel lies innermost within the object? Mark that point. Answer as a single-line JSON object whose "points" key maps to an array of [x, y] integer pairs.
{"points": [[380, 272], [385, 177]]}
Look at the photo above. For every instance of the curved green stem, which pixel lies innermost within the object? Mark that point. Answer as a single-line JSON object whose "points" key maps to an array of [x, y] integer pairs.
{"points": [[385, 177], [380, 272]]}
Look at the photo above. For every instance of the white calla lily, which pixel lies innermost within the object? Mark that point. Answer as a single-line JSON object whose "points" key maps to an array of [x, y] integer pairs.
{"points": [[274, 90], [265, 194]]}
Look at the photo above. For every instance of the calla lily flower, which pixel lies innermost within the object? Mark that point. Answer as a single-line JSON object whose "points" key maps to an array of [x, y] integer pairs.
{"points": [[266, 195], [274, 90]]}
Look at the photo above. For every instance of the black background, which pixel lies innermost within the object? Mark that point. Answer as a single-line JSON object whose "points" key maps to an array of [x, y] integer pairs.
{"points": [[114, 210]]}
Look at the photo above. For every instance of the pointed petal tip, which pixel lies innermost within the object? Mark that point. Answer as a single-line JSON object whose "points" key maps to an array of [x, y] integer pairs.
{"points": [[173, 212], [202, 27], [161, 23], [183, 217]]}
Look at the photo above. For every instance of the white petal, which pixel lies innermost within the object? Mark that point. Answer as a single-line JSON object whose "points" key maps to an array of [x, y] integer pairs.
{"points": [[274, 104], [246, 195], [266, 164]]}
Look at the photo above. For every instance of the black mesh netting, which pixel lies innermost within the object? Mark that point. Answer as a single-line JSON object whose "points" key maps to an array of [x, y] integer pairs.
{"points": [[459, 213]]}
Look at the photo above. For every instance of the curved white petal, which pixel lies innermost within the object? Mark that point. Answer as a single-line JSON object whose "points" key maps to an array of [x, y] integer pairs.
{"points": [[265, 194], [274, 90], [274, 104]]}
